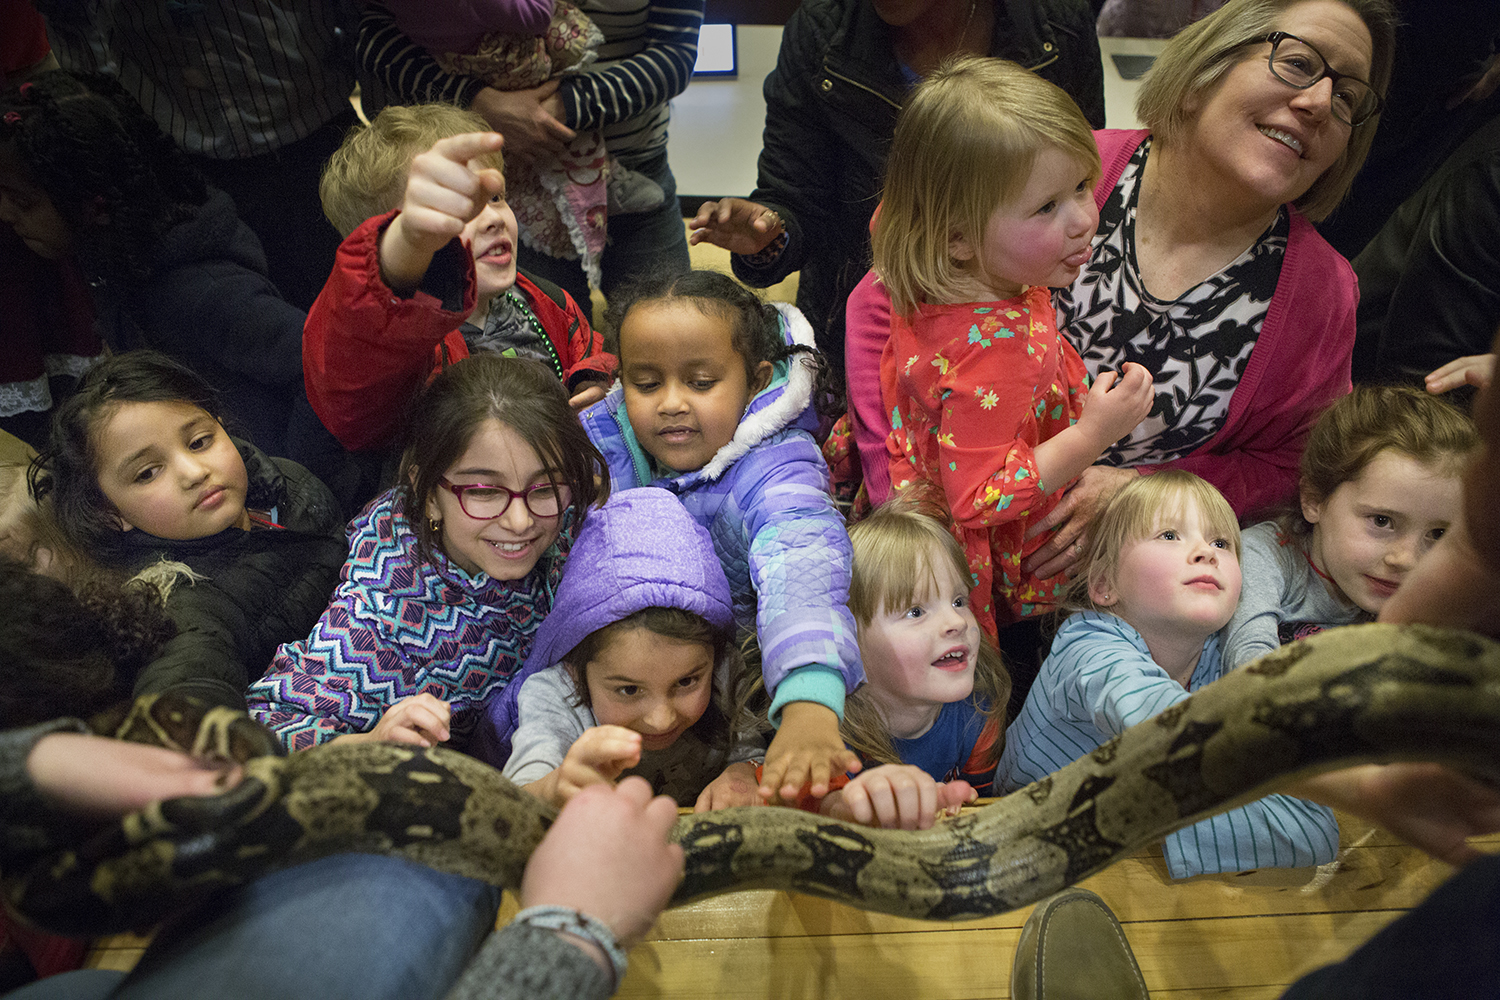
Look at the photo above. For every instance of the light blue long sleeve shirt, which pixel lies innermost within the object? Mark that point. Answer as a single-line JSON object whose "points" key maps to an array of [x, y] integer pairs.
{"points": [[1100, 680]]}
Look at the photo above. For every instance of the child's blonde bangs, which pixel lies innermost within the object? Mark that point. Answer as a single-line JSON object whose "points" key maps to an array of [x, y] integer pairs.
{"points": [[1135, 512], [965, 144], [893, 560], [366, 175]]}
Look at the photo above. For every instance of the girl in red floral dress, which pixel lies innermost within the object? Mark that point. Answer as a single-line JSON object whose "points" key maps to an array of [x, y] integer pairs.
{"points": [[988, 204]]}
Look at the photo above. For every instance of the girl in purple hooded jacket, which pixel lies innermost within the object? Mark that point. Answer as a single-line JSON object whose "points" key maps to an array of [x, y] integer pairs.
{"points": [[635, 670], [716, 404]]}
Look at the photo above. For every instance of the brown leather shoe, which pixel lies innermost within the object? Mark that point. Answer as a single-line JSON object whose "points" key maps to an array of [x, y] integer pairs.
{"points": [[1073, 948]]}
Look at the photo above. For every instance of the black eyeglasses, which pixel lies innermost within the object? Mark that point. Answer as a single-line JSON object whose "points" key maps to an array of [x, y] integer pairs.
{"points": [[1297, 64], [484, 502]]}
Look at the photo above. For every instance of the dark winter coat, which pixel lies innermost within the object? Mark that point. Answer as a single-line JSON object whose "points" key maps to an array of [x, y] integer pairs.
{"points": [[255, 589]]}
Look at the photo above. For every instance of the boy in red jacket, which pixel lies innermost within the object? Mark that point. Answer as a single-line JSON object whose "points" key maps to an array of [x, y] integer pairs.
{"points": [[427, 275]]}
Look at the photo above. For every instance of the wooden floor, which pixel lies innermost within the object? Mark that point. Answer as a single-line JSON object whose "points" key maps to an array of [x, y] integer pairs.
{"points": [[1241, 937]]}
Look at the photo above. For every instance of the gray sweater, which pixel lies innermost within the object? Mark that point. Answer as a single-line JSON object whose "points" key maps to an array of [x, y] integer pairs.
{"points": [[550, 723], [1280, 588], [531, 963]]}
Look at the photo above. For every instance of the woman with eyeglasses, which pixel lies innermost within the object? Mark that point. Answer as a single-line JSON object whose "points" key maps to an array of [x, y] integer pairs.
{"points": [[450, 573], [1206, 268]]}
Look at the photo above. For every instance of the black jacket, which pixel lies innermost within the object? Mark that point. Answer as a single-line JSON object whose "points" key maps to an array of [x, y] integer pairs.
{"points": [[256, 589], [208, 303], [1429, 282], [831, 106]]}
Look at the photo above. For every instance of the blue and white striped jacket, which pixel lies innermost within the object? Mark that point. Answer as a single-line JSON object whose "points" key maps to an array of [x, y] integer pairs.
{"points": [[1100, 680]]}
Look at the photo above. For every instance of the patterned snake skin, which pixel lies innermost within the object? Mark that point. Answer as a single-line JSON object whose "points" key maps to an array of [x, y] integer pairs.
{"points": [[1364, 693]]}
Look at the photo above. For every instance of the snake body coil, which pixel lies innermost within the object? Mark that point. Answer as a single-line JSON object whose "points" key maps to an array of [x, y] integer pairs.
{"points": [[1365, 693]]}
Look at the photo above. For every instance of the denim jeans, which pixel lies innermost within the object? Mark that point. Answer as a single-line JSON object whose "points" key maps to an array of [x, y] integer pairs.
{"points": [[346, 927]]}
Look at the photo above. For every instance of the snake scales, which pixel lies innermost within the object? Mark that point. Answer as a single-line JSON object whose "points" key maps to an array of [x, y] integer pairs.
{"points": [[1373, 692]]}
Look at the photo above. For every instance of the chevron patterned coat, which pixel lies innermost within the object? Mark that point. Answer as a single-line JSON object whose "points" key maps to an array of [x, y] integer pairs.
{"points": [[399, 626]]}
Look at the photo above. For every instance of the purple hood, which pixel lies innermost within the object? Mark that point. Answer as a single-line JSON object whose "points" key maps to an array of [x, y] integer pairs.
{"points": [[642, 549]]}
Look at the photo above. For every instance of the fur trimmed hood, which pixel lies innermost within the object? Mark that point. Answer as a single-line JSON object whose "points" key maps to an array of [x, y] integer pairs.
{"points": [[778, 405]]}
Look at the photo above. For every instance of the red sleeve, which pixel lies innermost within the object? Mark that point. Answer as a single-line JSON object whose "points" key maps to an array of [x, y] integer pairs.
{"points": [[986, 433], [366, 350]]}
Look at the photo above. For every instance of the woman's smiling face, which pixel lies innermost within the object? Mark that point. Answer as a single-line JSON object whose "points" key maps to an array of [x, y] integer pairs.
{"points": [[1272, 139]]}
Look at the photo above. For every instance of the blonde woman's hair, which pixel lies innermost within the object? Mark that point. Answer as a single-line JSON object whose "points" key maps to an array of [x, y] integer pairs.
{"points": [[1198, 56], [964, 145], [1133, 514], [894, 553], [1354, 430], [366, 176]]}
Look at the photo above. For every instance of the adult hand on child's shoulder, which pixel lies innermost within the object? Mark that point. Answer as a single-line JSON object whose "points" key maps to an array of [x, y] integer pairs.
{"points": [[1071, 518], [806, 751], [736, 786], [607, 855]]}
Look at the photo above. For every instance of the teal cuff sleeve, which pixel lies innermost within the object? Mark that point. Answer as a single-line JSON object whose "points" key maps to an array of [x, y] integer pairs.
{"points": [[823, 685]]}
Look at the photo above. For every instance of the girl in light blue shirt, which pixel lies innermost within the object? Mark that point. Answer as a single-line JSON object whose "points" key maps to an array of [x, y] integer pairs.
{"points": [[1160, 578]]}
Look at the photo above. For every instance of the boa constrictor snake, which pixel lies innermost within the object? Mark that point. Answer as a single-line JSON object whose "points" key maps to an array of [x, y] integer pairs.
{"points": [[1364, 693]]}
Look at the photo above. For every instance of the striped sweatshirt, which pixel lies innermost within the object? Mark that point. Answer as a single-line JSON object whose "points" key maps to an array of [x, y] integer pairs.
{"points": [[1100, 680], [647, 59]]}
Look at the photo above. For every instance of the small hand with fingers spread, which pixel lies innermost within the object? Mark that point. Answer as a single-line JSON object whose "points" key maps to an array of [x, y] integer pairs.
{"points": [[806, 751], [737, 225]]}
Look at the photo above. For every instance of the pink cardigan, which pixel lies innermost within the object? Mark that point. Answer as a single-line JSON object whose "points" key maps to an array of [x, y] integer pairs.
{"points": [[1299, 365]]}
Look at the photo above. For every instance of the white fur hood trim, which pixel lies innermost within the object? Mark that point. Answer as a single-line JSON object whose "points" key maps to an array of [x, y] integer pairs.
{"points": [[795, 397]]}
